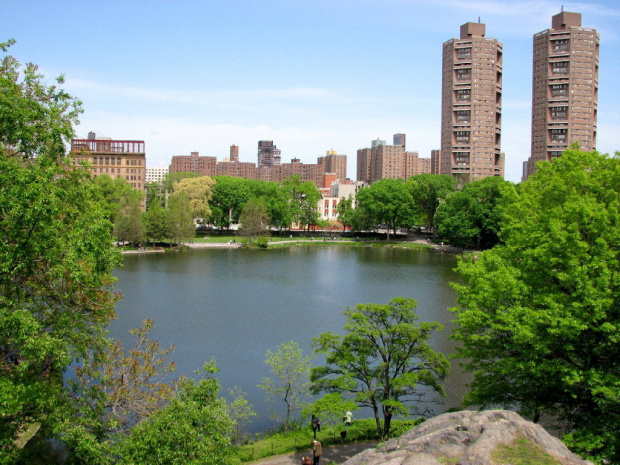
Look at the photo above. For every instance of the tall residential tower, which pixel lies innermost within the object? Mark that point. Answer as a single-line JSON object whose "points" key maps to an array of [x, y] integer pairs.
{"points": [[564, 89], [471, 106]]}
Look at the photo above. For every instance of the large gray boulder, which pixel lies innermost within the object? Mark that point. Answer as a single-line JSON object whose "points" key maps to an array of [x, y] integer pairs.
{"points": [[464, 438]]}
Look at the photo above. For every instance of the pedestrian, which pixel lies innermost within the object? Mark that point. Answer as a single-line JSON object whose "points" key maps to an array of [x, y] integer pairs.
{"points": [[317, 450], [348, 418], [316, 425]]}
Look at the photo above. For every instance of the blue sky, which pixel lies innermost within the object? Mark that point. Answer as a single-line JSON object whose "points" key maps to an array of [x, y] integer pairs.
{"points": [[311, 75]]}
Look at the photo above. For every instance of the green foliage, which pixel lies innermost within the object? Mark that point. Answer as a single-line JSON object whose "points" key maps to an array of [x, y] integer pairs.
{"points": [[230, 195], [180, 216], [471, 217], [428, 191], [291, 369], [538, 315], [56, 254], [199, 191], [330, 408], [385, 202], [303, 198], [254, 220], [195, 428], [156, 220], [129, 224], [384, 360]]}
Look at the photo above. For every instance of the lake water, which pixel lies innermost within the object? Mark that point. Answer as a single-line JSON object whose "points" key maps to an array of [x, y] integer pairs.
{"points": [[235, 304]]}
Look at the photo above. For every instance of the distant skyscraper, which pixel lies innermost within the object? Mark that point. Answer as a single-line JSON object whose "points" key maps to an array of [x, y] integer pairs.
{"points": [[471, 105], [399, 139], [334, 163], [268, 154], [565, 88], [234, 153]]}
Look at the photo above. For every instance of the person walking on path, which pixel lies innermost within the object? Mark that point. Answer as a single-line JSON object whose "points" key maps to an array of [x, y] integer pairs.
{"points": [[348, 418], [317, 450]]}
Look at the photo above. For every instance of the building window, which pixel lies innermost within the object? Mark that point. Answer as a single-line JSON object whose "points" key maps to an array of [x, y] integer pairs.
{"points": [[558, 135], [559, 90], [463, 53], [463, 74], [560, 67], [560, 45], [462, 136], [463, 95], [558, 112], [462, 116]]}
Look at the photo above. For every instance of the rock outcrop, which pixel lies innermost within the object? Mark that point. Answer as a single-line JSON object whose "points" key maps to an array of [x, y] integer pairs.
{"points": [[464, 438]]}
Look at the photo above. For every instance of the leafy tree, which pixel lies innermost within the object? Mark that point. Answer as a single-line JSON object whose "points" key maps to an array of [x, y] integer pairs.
{"points": [[116, 194], [240, 411], [303, 200], [428, 191], [172, 178], [155, 222], [345, 212], [385, 202], [292, 370], [56, 254], [230, 195], [199, 190], [129, 225], [539, 315], [194, 429], [180, 217], [254, 219], [384, 360], [330, 408], [471, 217], [111, 392]]}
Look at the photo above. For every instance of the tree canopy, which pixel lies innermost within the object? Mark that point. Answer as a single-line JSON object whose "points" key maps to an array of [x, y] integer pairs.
{"points": [[385, 202], [538, 316], [471, 217], [384, 360], [56, 253]]}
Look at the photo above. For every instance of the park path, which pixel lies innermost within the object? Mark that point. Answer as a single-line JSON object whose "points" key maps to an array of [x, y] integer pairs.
{"points": [[338, 454]]}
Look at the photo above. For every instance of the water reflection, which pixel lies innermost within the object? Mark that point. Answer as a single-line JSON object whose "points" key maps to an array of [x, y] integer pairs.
{"points": [[234, 305]]}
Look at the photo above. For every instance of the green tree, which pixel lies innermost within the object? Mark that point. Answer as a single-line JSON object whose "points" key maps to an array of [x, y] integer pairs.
{"points": [[111, 392], [181, 226], [346, 212], [291, 369], [428, 191], [254, 219], [56, 253], [229, 197], [385, 202], [384, 360], [471, 217], [172, 178], [538, 316], [155, 222], [199, 190], [194, 429], [116, 194], [129, 224], [330, 408], [303, 198]]}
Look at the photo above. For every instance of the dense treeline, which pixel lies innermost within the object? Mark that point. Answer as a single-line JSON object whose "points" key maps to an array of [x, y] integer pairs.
{"points": [[537, 318]]}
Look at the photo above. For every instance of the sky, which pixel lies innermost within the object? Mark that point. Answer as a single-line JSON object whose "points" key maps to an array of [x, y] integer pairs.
{"points": [[311, 75]]}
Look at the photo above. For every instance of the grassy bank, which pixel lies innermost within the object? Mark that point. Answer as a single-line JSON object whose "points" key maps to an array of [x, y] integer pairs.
{"points": [[300, 439]]}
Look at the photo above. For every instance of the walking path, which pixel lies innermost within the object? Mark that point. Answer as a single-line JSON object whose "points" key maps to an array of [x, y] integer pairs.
{"points": [[338, 454]]}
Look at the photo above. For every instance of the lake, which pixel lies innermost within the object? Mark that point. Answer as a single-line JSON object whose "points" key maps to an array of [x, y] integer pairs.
{"points": [[235, 304]]}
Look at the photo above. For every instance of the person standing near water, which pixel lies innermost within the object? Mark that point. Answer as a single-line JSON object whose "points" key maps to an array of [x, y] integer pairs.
{"points": [[317, 450]]}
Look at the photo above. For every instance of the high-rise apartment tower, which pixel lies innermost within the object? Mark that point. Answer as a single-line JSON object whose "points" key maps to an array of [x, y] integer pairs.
{"points": [[471, 106], [268, 154], [565, 88]]}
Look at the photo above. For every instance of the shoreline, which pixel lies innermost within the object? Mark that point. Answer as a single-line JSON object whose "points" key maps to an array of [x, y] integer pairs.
{"points": [[237, 245]]}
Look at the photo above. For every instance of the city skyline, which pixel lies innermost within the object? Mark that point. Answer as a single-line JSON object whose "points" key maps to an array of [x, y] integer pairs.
{"points": [[311, 76]]}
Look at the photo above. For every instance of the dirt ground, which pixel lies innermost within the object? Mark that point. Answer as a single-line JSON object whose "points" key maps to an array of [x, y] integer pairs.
{"points": [[338, 454]]}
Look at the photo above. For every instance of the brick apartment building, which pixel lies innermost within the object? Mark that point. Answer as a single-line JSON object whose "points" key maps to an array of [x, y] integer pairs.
{"points": [[471, 105], [565, 89], [116, 158]]}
